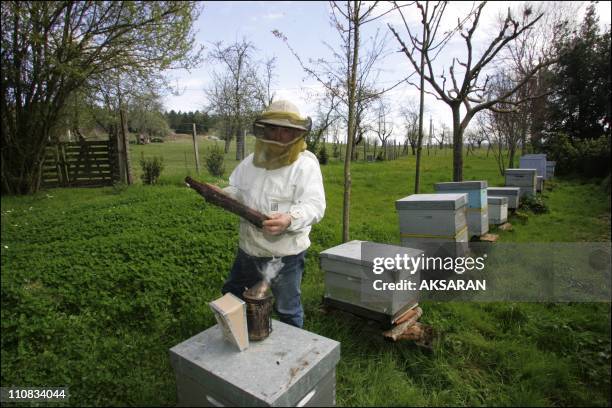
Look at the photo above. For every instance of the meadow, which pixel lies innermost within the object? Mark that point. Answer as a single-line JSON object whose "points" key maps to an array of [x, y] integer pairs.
{"points": [[98, 284]]}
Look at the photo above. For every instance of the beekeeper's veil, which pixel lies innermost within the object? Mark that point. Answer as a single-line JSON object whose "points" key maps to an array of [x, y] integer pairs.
{"points": [[271, 154]]}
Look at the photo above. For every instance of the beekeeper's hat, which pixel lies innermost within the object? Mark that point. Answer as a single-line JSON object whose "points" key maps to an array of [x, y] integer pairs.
{"points": [[282, 113]]}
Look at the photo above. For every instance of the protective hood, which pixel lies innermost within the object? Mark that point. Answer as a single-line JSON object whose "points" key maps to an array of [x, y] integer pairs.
{"points": [[274, 155]]}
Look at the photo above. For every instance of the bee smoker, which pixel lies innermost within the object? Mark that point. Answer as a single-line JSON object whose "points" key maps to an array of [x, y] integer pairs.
{"points": [[258, 299]]}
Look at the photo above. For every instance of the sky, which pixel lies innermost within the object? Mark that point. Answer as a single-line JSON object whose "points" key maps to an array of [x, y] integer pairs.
{"points": [[308, 29]]}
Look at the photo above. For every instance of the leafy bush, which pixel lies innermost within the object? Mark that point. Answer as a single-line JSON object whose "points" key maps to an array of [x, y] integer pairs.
{"points": [[151, 169], [323, 157], [590, 157], [534, 203], [214, 161]]}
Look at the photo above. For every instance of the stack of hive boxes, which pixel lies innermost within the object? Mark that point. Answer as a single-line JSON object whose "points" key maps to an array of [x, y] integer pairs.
{"points": [[525, 179], [477, 216], [498, 210], [349, 280], [538, 162], [511, 193], [292, 367], [435, 223]]}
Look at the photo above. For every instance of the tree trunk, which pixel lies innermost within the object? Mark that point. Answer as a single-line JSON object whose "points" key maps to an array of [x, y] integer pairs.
{"points": [[511, 156], [351, 123], [126, 146], [239, 145], [457, 144], [417, 175]]}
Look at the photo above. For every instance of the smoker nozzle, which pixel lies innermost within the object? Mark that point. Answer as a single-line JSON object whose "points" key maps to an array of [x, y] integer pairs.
{"points": [[258, 291]]}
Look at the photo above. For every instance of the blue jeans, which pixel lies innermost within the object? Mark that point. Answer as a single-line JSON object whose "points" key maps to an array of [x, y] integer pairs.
{"points": [[285, 287]]}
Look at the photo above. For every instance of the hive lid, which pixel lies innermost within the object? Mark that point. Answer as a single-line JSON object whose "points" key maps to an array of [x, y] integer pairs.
{"points": [[352, 252], [497, 200], [278, 371], [461, 185], [450, 201], [534, 156]]}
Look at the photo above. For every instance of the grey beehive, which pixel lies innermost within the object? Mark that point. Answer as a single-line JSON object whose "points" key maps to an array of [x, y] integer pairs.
{"points": [[292, 367], [477, 218], [498, 210], [511, 193], [435, 223], [534, 161], [349, 279], [525, 179]]}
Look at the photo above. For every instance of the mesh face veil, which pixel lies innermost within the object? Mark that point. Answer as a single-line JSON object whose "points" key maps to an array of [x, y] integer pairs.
{"points": [[270, 152]]}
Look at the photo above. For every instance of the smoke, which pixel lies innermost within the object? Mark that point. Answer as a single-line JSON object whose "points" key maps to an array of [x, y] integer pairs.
{"points": [[271, 268]]}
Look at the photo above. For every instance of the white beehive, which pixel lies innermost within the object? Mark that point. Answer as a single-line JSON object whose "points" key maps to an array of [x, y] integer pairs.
{"points": [[349, 280], [436, 223], [534, 161], [550, 169], [292, 367], [477, 218], [511, 193], [498, 210], [525, 179]]}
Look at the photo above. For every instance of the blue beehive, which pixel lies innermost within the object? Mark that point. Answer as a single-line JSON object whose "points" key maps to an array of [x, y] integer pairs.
{"points": [[477, 212]]}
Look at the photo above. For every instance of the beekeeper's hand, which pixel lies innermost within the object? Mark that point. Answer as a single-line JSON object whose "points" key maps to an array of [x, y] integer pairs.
{"points": [[277, 224]]}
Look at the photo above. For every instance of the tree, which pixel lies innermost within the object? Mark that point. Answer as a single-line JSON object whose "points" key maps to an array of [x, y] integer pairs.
{"points": [[383, 127], [241, 86], [467, 89], [410, 115], [580, 102], [220, 99], [146, 117], [348, 77], [52, 49], [265, 93], [325, 117]]}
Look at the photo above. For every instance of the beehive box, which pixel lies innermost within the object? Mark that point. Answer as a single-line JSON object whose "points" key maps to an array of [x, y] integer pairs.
{"points": [[349, 280], [511, 193], [434, 223], [525, 179], [477, 218], [498, 210], [292, 367], [534, 161], [550, 169], [539, 184]]}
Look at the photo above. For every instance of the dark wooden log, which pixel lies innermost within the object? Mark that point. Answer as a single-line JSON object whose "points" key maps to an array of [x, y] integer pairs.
{"points": [[218, 197]]}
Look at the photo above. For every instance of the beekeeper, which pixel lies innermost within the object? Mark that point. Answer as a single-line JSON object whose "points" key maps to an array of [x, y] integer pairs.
{"points": [[282, 180]]}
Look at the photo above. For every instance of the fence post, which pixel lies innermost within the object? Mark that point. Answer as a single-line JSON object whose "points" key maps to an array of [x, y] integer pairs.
{"points": [[195, 149], [124, 156]]}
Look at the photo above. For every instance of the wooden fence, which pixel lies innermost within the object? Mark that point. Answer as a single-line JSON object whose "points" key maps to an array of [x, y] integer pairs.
{"points": [[80, 164]]}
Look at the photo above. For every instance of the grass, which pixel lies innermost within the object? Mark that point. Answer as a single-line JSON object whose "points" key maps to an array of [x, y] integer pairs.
{"points": [[98, 284]]}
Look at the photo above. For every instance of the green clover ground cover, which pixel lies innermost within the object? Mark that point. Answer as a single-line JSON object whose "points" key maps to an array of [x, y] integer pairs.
{"points": [[98, 284]]}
